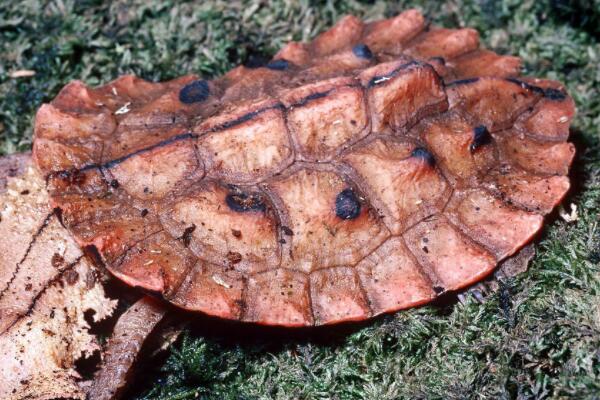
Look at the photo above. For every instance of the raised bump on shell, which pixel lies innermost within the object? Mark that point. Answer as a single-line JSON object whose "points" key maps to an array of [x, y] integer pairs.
{"points": [[278, 65], [481, 137], [362, 51], [347, 205], [242, 202], [424, 154], [194, 92]]}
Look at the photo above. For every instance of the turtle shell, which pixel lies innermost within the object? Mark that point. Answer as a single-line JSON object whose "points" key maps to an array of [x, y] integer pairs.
{"points": [[370, 170]]}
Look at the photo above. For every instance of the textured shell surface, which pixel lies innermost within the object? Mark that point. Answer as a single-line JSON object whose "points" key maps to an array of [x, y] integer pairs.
{"points": [[371, 170]]}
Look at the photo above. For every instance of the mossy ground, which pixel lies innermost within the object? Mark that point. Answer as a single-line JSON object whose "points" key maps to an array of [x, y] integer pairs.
{"points": [[539, 337]]}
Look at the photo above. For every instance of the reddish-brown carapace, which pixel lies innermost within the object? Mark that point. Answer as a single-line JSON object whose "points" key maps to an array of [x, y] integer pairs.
{"points": [[373, 169]]}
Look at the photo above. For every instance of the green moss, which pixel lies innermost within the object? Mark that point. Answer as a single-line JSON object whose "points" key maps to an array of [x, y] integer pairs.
{"points": [[537, 338]]}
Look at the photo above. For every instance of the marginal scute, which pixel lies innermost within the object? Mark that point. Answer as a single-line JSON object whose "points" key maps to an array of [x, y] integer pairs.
{"points": [[321, 239], [163, 111], [70, 132], [99, 215], [278, 297], [77, 98], [501, 228], [333, 66], [130, 89], [485, 63], [389, 35], [294, 52], [447, 43], [56, 156], [531, 192], [344, 33], [375, 168], [452, 259], [408, 188], [393, 279], [550, 120], [545, 158], [551, 117], [155, 264], [53, 123], [250, 85], [162, 107], [493, 102], [337, 296], [113, 232], [213, 290]]}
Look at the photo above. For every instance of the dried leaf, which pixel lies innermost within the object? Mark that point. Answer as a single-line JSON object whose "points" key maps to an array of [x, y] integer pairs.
{"points": [[45, 290], [123, 348]]}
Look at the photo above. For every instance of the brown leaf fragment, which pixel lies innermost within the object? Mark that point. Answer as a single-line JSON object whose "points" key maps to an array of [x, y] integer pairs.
{"points": [[38, 353], [513, 266], [42, 326], [21, 219], [32, 239], [123, 348]]}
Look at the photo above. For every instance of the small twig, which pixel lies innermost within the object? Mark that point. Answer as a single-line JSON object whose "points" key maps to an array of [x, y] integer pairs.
{"points": [[22, 73]]}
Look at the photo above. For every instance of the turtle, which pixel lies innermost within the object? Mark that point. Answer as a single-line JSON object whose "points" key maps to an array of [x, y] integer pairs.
{"points": [[374, 169]]}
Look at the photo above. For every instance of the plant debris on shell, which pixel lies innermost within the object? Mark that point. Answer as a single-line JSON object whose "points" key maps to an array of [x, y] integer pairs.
{"points": [[370, 170]]}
